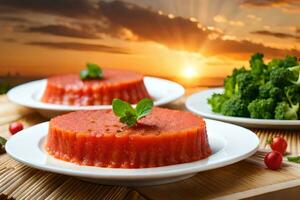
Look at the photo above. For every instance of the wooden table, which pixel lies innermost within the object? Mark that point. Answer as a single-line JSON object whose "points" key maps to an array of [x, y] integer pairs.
{"points": [[245, 179]]}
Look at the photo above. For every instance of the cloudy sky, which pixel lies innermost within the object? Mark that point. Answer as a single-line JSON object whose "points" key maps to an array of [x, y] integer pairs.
{"points": [[203, 38]]}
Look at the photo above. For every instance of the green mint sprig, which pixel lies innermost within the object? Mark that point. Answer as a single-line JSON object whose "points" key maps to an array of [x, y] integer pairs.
{"points": [[93, 71], [295, 159], [129, 115]]}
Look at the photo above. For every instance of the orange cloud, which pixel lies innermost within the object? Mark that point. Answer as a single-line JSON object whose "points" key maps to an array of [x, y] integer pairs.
{"points": [[285, 5], [276, 34], [81, 47], [62, 30], [128, 21]]}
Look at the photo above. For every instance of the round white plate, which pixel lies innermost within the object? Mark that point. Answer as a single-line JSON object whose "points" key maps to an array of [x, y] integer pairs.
{"points": [[229, 143], [197, 103], [29, 95]]}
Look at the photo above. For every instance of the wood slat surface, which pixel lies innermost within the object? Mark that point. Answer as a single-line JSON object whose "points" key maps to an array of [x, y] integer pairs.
{"points": [[241, 180]]}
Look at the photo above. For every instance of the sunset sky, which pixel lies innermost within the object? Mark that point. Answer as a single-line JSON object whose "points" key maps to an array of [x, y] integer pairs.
{"points": [[185, 38]]}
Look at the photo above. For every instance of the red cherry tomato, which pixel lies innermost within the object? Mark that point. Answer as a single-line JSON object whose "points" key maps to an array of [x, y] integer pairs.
{"points": [[273, 160], [15, 127], [279, 144]]}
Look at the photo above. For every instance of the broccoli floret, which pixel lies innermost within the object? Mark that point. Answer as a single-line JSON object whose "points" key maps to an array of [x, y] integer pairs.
{"points": [[280, 76], [230, 81], [262, 108], [246, 87], [257, 64], [276, 93], [264, 90], [274, 63], [216, 102], [258, 68], [287, 72], [235, 106], [268, 90], [295, 75], [289, 109], [229, 84], [289, 61], [292, 94], [283, 110]]}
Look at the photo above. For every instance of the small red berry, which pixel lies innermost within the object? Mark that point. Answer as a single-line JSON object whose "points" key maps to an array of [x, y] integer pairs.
{"points": [[273, 160], [15, 127], [279, 144]]}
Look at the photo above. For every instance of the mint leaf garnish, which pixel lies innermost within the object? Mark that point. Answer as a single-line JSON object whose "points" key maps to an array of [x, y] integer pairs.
{"points": [[144, 107], [121, 107], [295, 159], [128, 115], [93, 71], [84, 74], [129, 118]]}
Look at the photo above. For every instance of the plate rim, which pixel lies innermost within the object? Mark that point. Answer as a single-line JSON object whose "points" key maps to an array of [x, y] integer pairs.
{"points": [[211, 115], [56, 107], [153, 175]]}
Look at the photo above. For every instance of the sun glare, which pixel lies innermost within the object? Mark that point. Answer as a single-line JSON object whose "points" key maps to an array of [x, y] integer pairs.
{"points": [[189, 71]]}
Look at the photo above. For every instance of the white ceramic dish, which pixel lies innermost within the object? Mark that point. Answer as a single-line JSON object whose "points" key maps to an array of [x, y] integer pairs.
{"points": [[230, 144], [197, 103], [29, 95]]}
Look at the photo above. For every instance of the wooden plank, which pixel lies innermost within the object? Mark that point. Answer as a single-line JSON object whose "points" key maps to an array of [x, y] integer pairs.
{"points": [[261, 190], [238, 177]]}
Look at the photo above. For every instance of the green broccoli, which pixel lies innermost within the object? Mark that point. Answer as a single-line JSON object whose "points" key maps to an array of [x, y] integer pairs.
{"points": [[235, 106], [289, 109], [283, 110], [246, 87], [295, 75], [276, 93], [289, 61], [287, 72], [230, 81], [229, 84], [216, 101], [264, 90], [262, 108], [258, 67], [274, 63], [268, 90], [292, 94], [280, 76]]}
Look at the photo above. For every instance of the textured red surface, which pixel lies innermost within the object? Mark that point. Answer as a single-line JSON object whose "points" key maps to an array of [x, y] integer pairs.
{"points": [[97, 138], [71, 90]]}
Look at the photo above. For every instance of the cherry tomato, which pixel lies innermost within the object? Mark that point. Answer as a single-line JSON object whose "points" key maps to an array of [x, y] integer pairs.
{"points": [[279, 144], [15, 127], [273, 160]]}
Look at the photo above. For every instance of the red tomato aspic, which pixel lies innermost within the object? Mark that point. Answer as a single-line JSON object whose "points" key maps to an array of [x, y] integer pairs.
{"points": [[164, 137], [273, 160], [69, 89], [279, 144], [15, 127]]}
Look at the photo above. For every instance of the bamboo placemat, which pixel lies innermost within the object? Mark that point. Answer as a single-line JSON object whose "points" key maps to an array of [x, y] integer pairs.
{"points": [[244, 179]]}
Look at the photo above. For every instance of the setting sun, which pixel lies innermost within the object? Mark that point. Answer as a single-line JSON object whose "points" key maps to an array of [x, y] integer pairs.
{"points": [[189, 71]]}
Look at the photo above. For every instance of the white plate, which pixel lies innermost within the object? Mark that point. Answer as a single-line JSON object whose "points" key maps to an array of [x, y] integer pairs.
{"points": [[29, 95], [230, 144], [197, 103]]}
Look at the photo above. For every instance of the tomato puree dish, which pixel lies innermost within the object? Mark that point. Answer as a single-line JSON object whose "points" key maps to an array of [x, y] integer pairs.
{"points": [[98, 138], [72, 90]]}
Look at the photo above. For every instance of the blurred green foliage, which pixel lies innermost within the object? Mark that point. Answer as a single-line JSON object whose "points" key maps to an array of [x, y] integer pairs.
{"points": [[4, 87]]}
